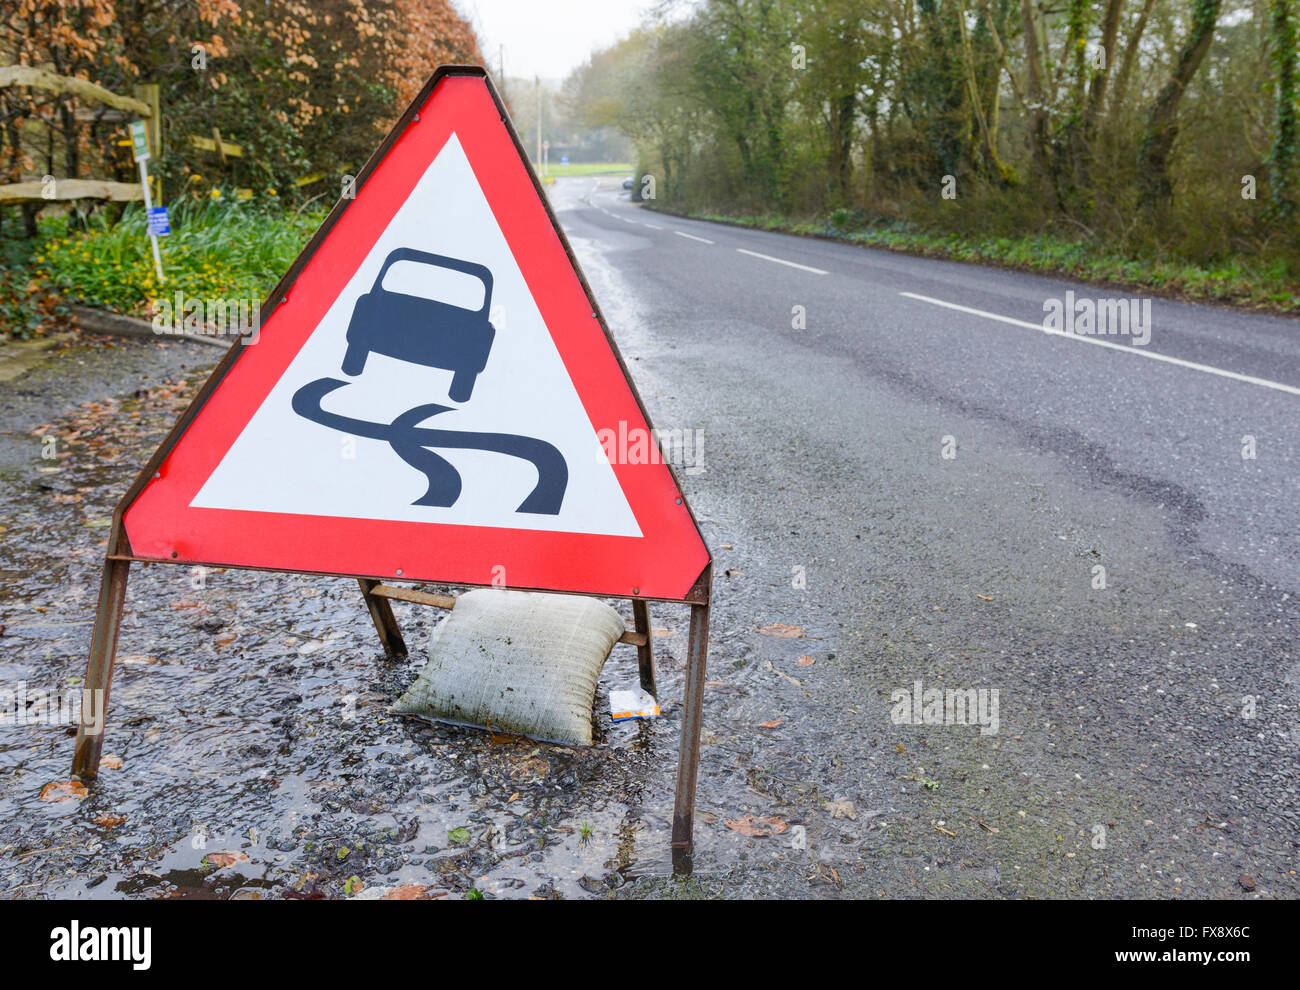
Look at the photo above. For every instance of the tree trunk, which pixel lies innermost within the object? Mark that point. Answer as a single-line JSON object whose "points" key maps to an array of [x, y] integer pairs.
{"points": [[1282, 156], [1074, 173], [990, 152], [1130, 57], [843, 113], [947, 121], [1162, 118], [1034, 94], [1100, 78]]}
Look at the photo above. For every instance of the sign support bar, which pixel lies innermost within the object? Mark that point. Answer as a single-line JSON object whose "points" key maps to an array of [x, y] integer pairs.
{"points": [[390, 637], [692, 715], [645, 653], [99, 669]]}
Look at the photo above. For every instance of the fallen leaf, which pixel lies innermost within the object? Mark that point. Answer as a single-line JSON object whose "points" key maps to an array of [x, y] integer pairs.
{"points": [[110, 762], [659, 632], [63, 790], [109, 821], [530, 768], [407, 892], [769, 725], [223, 859], [806, 660], [761, 828], [513, 797], [944, 830], [784, 675], [782, 631], [225, 639], [843, 808], [988, 828], [987, 598], [727, 546]]}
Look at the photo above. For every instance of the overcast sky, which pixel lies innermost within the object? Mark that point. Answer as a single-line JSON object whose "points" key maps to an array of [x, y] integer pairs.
{"points": [[549, 38]]}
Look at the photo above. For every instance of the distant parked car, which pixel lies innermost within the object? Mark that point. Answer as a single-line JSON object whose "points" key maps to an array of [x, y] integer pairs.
{"points": [[423, 331], [628, 183]]}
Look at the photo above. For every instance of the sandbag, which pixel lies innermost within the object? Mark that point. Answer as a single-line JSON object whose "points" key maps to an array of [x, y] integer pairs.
{"points": [[522, 662]]}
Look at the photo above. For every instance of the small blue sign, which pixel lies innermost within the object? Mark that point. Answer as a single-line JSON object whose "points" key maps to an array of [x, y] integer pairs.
{"points": [[564, 159], [159, 224]]}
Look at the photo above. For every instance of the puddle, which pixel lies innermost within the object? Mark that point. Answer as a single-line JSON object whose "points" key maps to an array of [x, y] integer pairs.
{"points": [[250, 717]]}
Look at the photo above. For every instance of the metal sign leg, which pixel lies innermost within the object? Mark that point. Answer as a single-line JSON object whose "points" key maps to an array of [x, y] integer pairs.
{"points": [[385, 624], [645, 654], [692, 710], [99, 669]]}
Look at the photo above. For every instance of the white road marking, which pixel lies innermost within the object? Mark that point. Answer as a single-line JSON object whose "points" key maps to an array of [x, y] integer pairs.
{"points": [[1293, 390], [703, 240], [652, 226], [782, 261]]}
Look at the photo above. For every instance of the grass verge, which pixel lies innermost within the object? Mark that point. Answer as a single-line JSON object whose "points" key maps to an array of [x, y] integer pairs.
{"points": [[590, 168], [1239, 281]]}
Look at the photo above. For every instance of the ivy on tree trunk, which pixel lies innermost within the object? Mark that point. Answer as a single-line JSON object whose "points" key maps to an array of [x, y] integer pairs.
{"points": [[1162, 119], [1282, 155]]}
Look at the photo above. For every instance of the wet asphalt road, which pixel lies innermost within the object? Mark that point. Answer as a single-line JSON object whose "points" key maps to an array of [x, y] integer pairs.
{"points": [[1147, 730], [1149, 736]]}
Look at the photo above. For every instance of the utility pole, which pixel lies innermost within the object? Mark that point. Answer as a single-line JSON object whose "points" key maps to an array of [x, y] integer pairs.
{"points": [[537, 87]]}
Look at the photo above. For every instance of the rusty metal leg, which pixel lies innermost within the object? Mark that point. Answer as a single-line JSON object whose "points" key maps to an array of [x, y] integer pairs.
{"points": [[99, 669], [692, 708], [645, 655], [385, 624]]}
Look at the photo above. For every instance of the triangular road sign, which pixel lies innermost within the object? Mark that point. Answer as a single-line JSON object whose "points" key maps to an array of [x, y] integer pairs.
{"points": [[431, 396]]}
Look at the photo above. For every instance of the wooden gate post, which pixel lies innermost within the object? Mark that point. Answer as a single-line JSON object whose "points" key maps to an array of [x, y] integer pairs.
{"points": [[149, 93]]}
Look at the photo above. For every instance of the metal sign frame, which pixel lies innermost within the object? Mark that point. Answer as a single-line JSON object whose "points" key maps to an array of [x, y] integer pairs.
{"points": [[376, 594]]}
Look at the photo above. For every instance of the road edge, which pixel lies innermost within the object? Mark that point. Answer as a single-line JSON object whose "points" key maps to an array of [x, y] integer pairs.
{"points": [[939, 255], [91, 320]]}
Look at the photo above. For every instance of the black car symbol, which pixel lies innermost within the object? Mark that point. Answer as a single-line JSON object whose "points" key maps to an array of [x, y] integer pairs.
{"points": [[423, 331]]}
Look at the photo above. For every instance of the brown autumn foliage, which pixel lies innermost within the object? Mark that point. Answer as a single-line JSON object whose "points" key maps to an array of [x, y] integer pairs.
{"points": [[302, 88]]}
